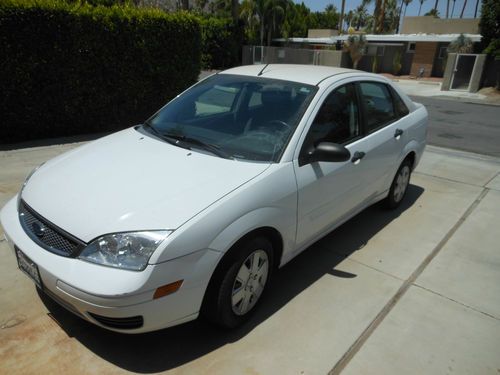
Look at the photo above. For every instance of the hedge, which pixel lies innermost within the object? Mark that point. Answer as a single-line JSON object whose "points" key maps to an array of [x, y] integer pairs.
{"points": [[74, 69], [221, 43]]}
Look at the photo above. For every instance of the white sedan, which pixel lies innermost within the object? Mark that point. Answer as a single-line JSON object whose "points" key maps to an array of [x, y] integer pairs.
{"points": [[191, 212]]}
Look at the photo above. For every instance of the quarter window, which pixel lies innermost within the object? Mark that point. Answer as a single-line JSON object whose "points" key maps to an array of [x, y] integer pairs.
{"points": [[401, 108], [337, 120], [378, 105]]}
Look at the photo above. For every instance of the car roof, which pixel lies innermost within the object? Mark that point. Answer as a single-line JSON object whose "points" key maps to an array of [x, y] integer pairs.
{"points": [[308, 74]]}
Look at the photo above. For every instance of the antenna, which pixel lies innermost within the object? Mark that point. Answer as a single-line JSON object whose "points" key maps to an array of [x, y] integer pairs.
{"points": [[262, 71]]}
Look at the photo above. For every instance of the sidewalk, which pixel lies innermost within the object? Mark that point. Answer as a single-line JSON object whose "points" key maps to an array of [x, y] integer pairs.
{"points": [[432, 88], [410, 291]]}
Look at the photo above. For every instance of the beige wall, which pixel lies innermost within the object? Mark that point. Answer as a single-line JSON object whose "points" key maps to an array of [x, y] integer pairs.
{"points": [[432, 25], [424, 58], [321, 33]]}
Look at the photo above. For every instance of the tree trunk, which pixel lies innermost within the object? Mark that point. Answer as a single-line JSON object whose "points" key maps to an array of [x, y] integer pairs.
{"points": [[341, 21], [261, 31], [463, 8], [447, 8], [235, 5], [453, 8], [185, 4], [436, 4], [376, 16], [420, 7], [475, 11], [399, 13]]}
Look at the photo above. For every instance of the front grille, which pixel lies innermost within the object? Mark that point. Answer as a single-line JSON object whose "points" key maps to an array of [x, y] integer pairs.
{"points": [[119, 323], [48, 235]]}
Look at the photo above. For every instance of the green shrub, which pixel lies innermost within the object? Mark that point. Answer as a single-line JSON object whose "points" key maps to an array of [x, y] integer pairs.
{"points": [[221, 43], [73, 69]]}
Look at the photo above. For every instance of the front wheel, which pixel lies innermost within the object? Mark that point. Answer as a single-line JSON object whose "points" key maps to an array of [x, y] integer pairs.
{"points": [[399, 185], [240, 283]]}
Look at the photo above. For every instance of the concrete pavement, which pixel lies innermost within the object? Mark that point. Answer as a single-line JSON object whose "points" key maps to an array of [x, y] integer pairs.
{"points": [[416, 290]]}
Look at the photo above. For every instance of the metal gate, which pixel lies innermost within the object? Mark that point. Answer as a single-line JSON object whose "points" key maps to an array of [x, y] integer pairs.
{"points": [[464, 65]]}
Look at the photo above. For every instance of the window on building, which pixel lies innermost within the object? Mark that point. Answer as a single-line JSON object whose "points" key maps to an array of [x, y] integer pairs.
{"points": [[442, 52], [380, 50], [411, 47]]}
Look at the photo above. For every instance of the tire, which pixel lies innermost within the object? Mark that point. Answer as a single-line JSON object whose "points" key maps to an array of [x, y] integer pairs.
{"points": [[229, 280], [399, 185]]}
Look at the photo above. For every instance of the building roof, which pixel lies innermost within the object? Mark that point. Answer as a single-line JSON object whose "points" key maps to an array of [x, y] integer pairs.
{"points": [[308, 74], [387, 38]]}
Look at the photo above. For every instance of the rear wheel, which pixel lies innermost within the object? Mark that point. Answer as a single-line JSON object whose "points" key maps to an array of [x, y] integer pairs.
{"points": [[399, 185], [240, 283]]}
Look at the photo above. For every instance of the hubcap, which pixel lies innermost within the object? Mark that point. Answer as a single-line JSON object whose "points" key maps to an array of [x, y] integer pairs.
{"points": [[250, 282], [401, 183]]}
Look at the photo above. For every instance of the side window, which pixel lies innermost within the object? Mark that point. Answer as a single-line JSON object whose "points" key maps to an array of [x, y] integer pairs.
{"points": [[255, 100], [378, 105], [337, 120], [218, 99], [401, 108]]}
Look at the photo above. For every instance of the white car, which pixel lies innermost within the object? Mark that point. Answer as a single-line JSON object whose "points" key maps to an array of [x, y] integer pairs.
{"points": [[191, 212]]}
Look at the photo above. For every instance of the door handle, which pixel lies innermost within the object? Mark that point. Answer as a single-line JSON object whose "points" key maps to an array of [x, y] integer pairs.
{"points": [[398, 133], [358, 155]]}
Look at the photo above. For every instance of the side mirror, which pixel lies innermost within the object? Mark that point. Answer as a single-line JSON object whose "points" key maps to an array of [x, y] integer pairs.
{"points": [[326, 151]]}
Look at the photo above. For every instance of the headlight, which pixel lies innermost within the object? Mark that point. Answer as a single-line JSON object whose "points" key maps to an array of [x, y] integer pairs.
{"points": [[130, 250], [26, 182]]}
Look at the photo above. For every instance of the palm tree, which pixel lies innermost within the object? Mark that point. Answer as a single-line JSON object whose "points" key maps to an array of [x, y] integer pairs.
{"points": [[453, 8], [420, 7], [462, 44], [360, 16], [463, 8], [274, 15], [355, 45], [447, 7], [341, 20], [407, 2], [436, 5], [475, 11]]}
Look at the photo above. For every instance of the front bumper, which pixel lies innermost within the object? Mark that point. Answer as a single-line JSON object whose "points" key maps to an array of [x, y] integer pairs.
{"points": [[94, 292]]}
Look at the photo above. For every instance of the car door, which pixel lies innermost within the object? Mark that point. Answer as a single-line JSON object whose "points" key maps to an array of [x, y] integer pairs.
{"points": [[329, 191], [385, 132]]}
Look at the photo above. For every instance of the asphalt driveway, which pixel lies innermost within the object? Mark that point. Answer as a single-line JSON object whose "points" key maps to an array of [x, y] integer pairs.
{"points": [[411, 291]]}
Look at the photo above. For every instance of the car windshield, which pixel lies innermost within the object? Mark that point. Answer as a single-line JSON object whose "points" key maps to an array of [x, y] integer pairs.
{"points": [[240, 117]]}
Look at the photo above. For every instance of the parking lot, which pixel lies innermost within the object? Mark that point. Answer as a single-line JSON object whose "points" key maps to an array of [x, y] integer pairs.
{"points": [[412, 291]]}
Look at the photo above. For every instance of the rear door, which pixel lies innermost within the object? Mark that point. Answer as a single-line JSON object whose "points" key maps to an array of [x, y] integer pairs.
{"points": [[386, 132]]}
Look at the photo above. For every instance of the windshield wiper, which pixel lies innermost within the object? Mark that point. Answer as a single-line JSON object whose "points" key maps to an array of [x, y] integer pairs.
{"points": [[197, 143], [162, 136]]}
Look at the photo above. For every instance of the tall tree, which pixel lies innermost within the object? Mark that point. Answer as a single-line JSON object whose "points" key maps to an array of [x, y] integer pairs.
{"points": [[420, 7], [453, 8], [341, 21], [463, 8], [436, 5], [447, 8], [475, 10]]}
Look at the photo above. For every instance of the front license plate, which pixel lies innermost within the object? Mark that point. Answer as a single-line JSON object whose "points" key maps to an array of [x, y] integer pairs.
{"points": [[28, 267]]}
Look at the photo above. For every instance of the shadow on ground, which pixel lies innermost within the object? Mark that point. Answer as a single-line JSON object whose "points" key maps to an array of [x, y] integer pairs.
{"points": [[173, 347]]}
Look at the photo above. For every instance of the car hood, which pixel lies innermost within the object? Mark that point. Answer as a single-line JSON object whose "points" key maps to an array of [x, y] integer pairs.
{"points": [[131, 181]]}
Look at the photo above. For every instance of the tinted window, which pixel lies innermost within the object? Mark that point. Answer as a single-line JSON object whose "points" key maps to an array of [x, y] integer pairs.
{"points": [[401, 108], [378, 105], [337, 120]]}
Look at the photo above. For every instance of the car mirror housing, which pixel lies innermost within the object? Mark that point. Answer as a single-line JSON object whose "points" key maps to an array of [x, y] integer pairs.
{"points": [[326, 151]]}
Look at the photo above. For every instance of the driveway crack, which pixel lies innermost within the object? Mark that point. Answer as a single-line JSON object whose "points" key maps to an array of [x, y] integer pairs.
{"points": [[365, 335]]}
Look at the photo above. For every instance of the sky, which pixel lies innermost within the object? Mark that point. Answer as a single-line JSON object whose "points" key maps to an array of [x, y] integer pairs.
{"points": [[319, 5]]}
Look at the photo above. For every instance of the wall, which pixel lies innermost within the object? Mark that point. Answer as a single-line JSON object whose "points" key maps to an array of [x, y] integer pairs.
{"points": [[432, 25], [424, 58], [321, 33]]}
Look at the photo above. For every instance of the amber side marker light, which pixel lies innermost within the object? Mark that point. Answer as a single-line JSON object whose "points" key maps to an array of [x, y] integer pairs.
{"points": [[165, 290]]}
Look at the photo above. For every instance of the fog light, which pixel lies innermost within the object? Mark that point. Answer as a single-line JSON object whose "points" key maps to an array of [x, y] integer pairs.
{"points": [[165, 290]]}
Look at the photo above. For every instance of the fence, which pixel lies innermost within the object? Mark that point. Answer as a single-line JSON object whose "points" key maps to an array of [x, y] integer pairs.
{"points": [[287, 55]]}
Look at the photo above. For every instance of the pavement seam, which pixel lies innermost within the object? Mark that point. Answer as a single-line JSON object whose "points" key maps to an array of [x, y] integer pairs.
{"points": [[365, 335], [491, 179], [458, 302], [448, 179], [375, 269]]}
